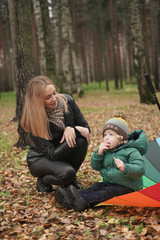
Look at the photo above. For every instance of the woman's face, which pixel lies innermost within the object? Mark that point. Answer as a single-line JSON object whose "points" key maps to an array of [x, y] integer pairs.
{"points": [[50, 96]]}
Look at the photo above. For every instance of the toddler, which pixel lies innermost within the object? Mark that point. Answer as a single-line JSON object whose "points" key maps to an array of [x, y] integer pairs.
{"points": [[120, 161]]}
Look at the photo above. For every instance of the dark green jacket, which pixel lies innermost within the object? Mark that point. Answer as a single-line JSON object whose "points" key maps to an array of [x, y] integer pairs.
{"points": [[132, 154]]}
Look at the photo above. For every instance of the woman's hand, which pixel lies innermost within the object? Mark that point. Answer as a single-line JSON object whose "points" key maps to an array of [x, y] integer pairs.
{"points": [[70, 136], [119, 164], [84, 132]]}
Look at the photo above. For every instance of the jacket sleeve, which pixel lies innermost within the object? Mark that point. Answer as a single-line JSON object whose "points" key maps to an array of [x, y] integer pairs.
{"points": [[97, 161], [135, 167], [52, 152], [74, 116]]}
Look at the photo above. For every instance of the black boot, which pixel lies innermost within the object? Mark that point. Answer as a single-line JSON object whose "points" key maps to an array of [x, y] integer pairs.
{"points": [[61, 197], [78, 202], [43, 187], [77, 185]]}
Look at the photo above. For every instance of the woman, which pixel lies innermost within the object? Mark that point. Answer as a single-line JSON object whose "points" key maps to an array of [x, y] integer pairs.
{"points": [[57, 133]]}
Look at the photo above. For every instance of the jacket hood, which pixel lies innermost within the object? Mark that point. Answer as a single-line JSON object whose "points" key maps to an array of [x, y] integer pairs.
{"points": [[138, 140]]}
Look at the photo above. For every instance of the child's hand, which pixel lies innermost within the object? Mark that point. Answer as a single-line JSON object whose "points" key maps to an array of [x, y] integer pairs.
{"points": [[119, 164], [102, 147]]}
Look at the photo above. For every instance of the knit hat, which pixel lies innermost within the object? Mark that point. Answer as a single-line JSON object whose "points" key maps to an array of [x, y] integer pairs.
{"points": [[118, 124]]}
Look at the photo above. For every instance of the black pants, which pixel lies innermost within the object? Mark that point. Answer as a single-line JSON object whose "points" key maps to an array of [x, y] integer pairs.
{"points": [[60, 172], [99, 192]]}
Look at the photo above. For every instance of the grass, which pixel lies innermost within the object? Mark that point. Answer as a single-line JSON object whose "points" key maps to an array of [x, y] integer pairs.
{"points": [[93, 88], [7, 99]]}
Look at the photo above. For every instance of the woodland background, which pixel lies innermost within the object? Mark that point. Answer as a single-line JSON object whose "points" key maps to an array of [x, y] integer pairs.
{"points": [[78, 42], [98, 51]]}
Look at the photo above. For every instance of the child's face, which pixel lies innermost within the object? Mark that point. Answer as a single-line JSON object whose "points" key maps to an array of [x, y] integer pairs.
{"points": [[112, 139]]}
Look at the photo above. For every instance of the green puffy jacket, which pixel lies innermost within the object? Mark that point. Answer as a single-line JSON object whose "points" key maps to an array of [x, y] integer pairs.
{"points": [[132, 154]]}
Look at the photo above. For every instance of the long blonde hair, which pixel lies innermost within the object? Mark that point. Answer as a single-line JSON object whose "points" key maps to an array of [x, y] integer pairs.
{"points": [[34, 118]]}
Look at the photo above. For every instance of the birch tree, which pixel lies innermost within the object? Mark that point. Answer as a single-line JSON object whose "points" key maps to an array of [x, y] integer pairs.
{"points": [[48, 39], [68, 71], [57, 43], [66, 61], [138, 51], [154, 38], [40, 35]]}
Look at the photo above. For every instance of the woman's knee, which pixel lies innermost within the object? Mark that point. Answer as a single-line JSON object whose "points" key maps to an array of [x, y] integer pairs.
{"points": [[82, 143], [66, 175]]}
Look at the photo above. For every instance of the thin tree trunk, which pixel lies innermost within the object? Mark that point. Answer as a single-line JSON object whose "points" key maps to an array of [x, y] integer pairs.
{"points": [[40, 35], [146, 36], [103, 49], [154, 37], [114, 32], [3, 60], [47, 31], [57, 42], [12, 27], [83, 49], [35, 43], [66, 61]]}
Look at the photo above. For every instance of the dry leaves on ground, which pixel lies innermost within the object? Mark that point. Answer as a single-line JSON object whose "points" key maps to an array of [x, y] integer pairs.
{"points": [[27, 214]]}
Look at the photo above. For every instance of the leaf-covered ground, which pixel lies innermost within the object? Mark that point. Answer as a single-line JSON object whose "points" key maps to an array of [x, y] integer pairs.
{"points": [[27, 214]]}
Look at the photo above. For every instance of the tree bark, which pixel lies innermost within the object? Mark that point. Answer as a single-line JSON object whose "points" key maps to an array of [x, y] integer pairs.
{"points": [[40, 35], [12, 27], [154, 38], [24, 59], [103, 49], [57, 42], [83, 49], [50, 57], [139, 53], [114, 37]]}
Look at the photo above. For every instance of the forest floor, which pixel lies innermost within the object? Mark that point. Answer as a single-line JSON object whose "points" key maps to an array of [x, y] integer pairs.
{"points": [[27, 214]]}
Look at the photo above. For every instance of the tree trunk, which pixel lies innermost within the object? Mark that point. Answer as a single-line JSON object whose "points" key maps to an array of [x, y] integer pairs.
{"points": [[24, 58], [35, 43], [83, 49], [50, 57], [146, 36], [114, 37], [103, 49], [73, 47], [40, 35], [12, 27], [57, 42], [3, 60], [139, 54], [154, 38], [66, 61]]}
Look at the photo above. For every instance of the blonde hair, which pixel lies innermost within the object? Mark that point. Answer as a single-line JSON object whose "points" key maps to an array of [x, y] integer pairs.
{"points": [[120, 137], [34, 118]]}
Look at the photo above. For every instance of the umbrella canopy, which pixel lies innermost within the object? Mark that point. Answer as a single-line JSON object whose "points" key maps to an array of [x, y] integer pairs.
{"points": [[150, 195]]}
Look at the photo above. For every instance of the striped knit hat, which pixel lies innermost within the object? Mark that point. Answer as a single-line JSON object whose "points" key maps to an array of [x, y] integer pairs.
{"points": [[118, 124]]}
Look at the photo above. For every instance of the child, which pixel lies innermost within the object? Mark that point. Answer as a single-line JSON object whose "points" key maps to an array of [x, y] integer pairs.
{"points": [[119, 159]]}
